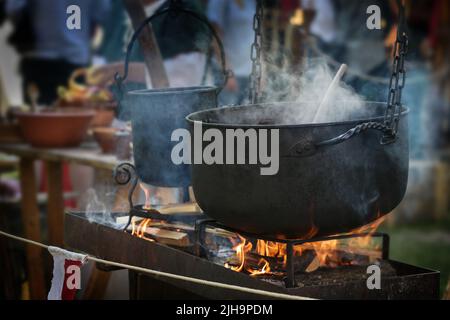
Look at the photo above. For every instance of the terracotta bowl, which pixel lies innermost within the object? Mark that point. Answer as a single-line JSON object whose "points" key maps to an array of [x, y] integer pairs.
{"points": [[103, 118], [104, 111], [106, 138], [55, 128]]}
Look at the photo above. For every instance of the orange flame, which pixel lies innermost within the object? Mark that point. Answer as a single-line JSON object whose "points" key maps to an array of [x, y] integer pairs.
{"points": [[265, 269], [139, 231], [327, 252], [241, 249]]}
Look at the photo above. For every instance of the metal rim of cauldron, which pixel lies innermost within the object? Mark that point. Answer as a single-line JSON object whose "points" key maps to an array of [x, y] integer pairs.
{"points": [[173, 91], [189, 118]]}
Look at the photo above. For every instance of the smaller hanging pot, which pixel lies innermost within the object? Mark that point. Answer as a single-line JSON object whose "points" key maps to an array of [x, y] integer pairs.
{"points": [[156, 113]]}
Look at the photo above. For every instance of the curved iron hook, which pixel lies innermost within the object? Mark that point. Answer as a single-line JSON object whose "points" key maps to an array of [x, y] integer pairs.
{"points": [[174, 7]]}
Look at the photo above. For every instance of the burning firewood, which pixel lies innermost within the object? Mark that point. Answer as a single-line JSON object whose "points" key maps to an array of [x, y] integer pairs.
{"points": [[339, 258], [304, 261], [313, 266], [184, 208], [144, 229]]}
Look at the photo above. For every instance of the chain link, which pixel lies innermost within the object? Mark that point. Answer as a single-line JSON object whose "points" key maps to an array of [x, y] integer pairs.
{"points": [[398, 77], [255, 54]]}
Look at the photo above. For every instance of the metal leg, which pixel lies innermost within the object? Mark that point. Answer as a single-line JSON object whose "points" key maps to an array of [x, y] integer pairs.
{"points": [[290, 281]]}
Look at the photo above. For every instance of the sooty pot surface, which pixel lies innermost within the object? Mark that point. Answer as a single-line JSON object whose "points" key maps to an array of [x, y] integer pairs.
{"points": [[333, 189]]}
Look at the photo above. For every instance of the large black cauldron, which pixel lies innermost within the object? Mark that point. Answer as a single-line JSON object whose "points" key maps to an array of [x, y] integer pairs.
{"points": [[328, 182]]}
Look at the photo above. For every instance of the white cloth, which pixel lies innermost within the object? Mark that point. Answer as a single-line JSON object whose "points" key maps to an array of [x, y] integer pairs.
{"points": [[183, 70], [59, 271]]}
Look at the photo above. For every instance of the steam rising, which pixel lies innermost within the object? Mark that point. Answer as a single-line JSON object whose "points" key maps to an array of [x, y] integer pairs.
{"points": [[98, 212], [308, 88]]}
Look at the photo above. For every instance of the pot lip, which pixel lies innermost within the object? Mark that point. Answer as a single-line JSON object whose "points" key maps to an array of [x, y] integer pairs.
{"points": [[189, 119], [172, 91], [105, 130]]}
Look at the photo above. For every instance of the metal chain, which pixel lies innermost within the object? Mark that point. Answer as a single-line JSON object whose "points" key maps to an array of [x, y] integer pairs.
{"points": [[398, 78], [255, 55]]}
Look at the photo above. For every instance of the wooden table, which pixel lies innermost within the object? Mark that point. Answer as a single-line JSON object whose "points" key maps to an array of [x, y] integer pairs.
{"points": [[85, 155]]}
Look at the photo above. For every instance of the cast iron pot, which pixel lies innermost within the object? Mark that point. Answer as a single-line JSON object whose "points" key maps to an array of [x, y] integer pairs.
{"points": [[333, 177], [156, 113]]}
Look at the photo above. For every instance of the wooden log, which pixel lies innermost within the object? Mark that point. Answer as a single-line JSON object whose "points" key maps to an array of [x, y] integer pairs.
{"points": [[307, 262], [152, 54], [171, 238], [55, 205], [313, 266], [339, 258], [183, 208], [97, 284], [31, 228], [164, 236]]}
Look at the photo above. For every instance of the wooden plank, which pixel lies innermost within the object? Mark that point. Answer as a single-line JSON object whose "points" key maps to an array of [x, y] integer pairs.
{"points": [[82, 155], [55, 205], [31, 228], [97, 284], [149, 46], [164, 236]]}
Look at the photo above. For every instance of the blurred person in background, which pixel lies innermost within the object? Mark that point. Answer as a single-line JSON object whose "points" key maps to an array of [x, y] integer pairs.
{"points": [[182, 41], [49, 50], [233, 20]]}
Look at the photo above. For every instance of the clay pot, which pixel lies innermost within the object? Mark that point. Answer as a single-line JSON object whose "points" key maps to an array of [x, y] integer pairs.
{"points": [[59, 128], [103, 117], [10, 133], [104, 111], [106, 138]]}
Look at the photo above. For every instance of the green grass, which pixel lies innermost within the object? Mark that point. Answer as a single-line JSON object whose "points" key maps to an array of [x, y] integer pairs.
{"points": [[425, 245]]}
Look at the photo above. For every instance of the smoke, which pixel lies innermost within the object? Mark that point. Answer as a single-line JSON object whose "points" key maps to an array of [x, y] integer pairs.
{"points": [[307, 87], [98, 211]]}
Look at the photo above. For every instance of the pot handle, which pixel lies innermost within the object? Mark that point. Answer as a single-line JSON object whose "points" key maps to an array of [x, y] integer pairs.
{"points": [[308, 147], [173, 8]]}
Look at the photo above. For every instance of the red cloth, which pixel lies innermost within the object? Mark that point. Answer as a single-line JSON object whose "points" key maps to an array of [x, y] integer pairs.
{"points": [[288, 6], [66, 293], [434, 22], [66, 182]]}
